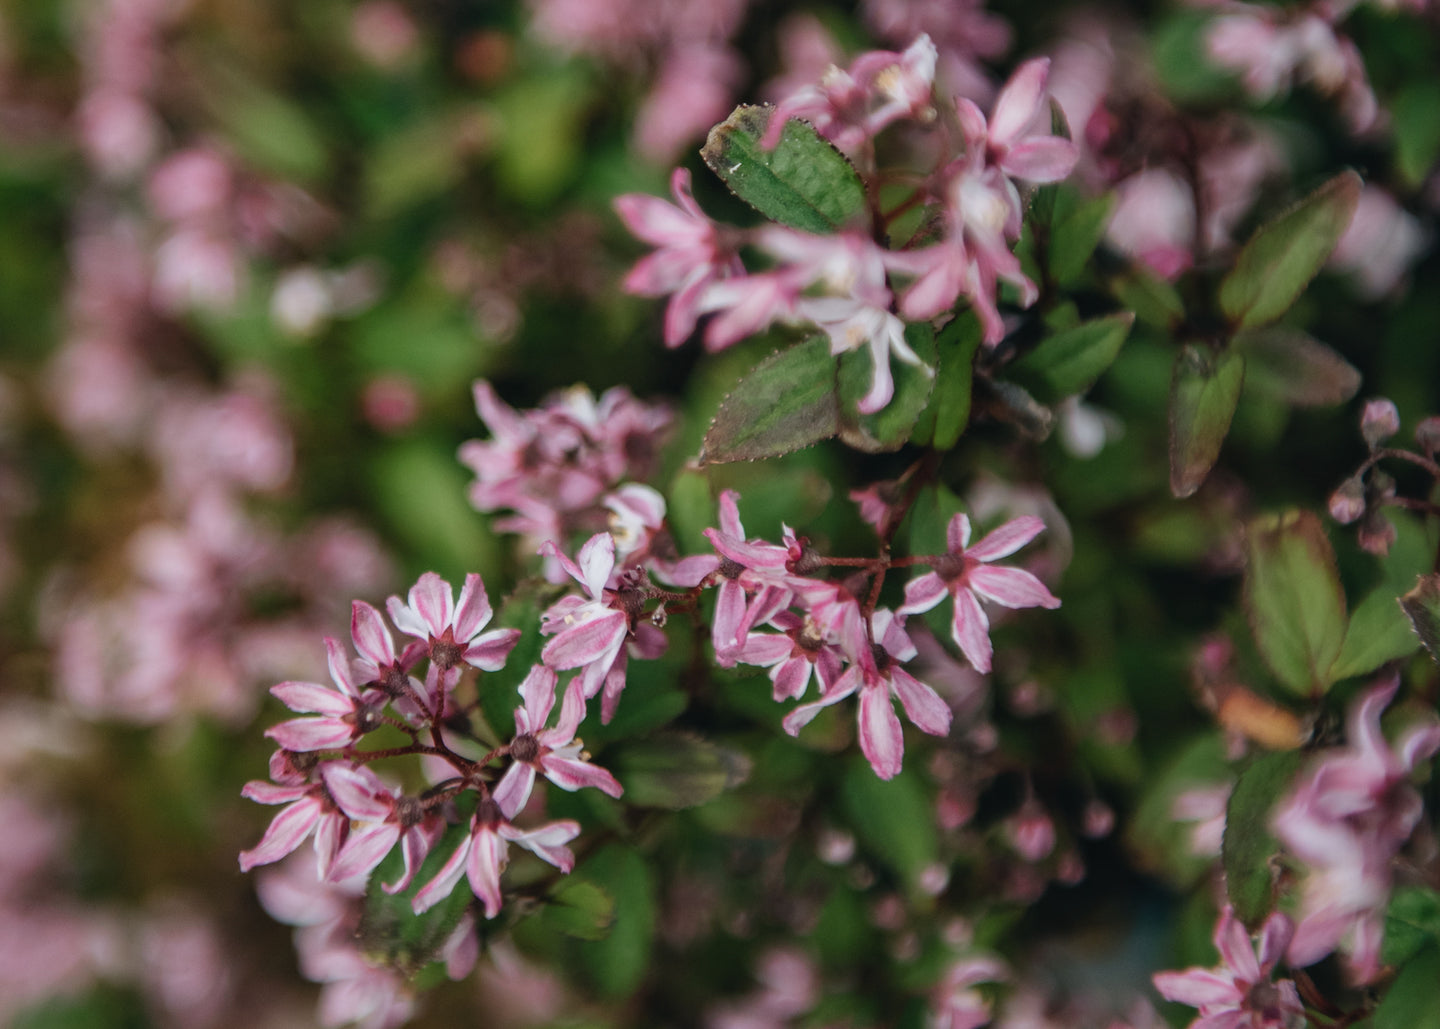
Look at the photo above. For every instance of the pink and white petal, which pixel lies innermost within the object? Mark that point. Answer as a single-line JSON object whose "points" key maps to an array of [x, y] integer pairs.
{"points": [[729, 613], [613, 684], [1275, 936], [730, 515], [923, 593], [339, 663], [1019, 102], [572, 713], [363, 850], [1041, 159], [272, 793], [791, 677], [415, 844], [768, 603], [764, 649], [802, 715], [1236, 951], [312, 698], [1416, 744], [1010, 587], [371, 637], [514, 788], [972, 122], [537, 692], [688, 571], [1196, 987], [882, 385], [287, 831], [472, 611], [307, 734], [358, 792], [432, 599], [971, 630], [548, 842], [957, 533], [440, 887], [1007, 538], [597, 561], [881, 739], [573, 774], [489, 650], [923, 706], [591, 641], [550, 550], [330, 833]]}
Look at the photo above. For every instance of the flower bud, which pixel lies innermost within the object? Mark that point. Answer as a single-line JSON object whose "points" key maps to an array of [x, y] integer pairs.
{"points": [[1376, 534], [1427, 434], [1379, 422], [1347, 503]]}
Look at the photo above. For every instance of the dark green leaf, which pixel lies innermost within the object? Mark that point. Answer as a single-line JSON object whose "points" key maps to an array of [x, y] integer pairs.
{"points": [[930, 518], [1422, 607], [1410, 1001], [804, 182], [1076, 230], [616, 965], [1294, 600], [1378, 632], [102, 1007], [1412, 921], [1069, 362], [1203, 394], [1416, 126], [787, 402], [890, 427], [421, 162], [1290, 366], [1283, 256], [1249, 848], [948, 412], [1154, 301], [676, 770], [390, 933], [893, 819], [577, 907]]}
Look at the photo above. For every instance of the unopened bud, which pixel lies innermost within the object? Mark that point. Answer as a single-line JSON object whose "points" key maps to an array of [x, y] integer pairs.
{"points": [[1427, 434], [1099, 819], [1379, 422], [1032, 834], [1347, 503], [1376, 534]]}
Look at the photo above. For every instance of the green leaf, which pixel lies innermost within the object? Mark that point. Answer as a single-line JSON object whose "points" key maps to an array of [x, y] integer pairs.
{"points": [[579, 908], [1154, 301], [1249, 846], [804, 182], [616, 965], [890, 427], [390, 933], [1069, 362], [929, 519], [1412, 921], [1203, 393], [1416, 114], [1378, 632], [948, 412], [787, 402], [499, 691], [418, 163], [1422, 607], [893, 819], [676, 770], [1076, 230], [1288, 365], [1294, 599], [1279, 261], [101, 1007], [1410, 1001], [690, 509], [267, 129]]}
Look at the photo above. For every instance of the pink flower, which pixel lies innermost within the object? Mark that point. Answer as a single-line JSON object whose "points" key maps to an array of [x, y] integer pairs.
{"points": [[344, 716], [793, 654], [965, 572], [308, 809], [956, 1004], [691, 254], [379, 818], [1013, 139], [1239, 994], [764, 569], [452, 632], [877, 675], [484, 852], [378, 663], [554, 753]]}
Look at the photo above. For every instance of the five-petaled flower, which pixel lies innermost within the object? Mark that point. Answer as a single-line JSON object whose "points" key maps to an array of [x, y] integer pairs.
{"points": [[1239, 993], [379, 818], [965, 572], [344, 716], [448, 632]]}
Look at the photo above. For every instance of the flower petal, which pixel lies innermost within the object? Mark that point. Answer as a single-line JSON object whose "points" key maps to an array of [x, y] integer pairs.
{"points": [[881, 740], [1007, 539], [971, 630], [1010, 587]]}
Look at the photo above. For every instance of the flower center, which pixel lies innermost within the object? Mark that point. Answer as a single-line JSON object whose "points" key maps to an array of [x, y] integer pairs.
{"points": [[525, 748]]}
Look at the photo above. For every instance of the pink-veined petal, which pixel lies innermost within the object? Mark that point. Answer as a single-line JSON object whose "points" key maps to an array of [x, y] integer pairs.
{"points": [[588, 642], [549, 549], [764, 649], [1010, 587], [971, 630], [489, 650], [330, 833], [573, 774], [415, 844], [791, 677], [363, 850], [438, 888], [729, 613], [572, 713], [730, 514], [371, 638], [923, 593], [273, 793], [514, 788], [1041, 159], [433, 601], [312, 698], [882, 385], [287, 831], [1196, 987], [339, 664], [1236, 951], [1006, 539], [923, 706], [802, 715], [358, 791], [548, 842], [1019, 102], [538, 694], [596, 561], [307, 734], [1275, 936], [472, 611], [881, 740], [957, 533]]}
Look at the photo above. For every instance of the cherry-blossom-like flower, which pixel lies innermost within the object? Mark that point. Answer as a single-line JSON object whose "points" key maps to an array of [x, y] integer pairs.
{"points": [[379, 818], [345, 716], [555, 753], [1239, 993], [965, 572], [451, 632], [379, 663], [877, 675], [691, 254], [793, 654], [308, 809], [767, 570], [484, 852]]}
